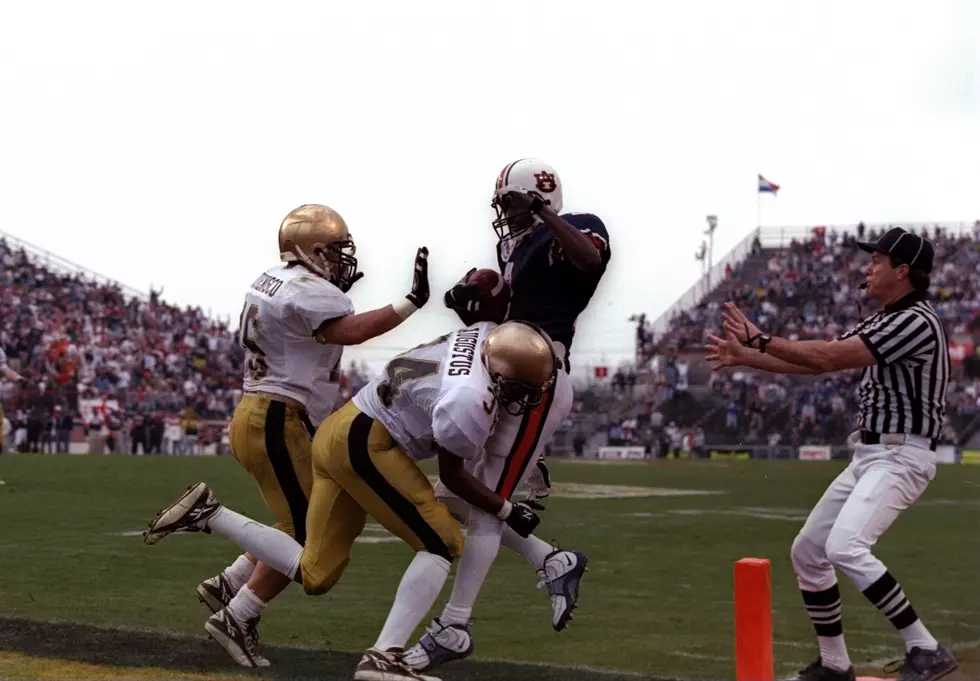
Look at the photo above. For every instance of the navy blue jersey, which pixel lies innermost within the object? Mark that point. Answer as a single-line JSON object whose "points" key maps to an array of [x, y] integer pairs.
{"points": [[545, 288]]}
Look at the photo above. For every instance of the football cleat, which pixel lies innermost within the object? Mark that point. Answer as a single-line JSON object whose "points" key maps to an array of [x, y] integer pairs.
{"points": [[216, 593], [562, 574], [190, 513], [817, 672], [924, 665], [440, 644], [379, 665], [239, 639]]}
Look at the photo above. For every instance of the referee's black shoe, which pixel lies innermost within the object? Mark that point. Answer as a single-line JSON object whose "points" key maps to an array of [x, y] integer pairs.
{"points": [[817, 672], [924, 665]]}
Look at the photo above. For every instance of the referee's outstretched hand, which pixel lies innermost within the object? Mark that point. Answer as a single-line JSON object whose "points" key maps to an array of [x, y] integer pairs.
{"points": [[738, 324], [724, 352]]}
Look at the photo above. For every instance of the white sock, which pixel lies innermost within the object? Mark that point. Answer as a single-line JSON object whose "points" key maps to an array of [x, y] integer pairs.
{"points": [[239, 572], [917, 636], [483, 534], [246, 605], [533, 549], [273, 547], [833, 653], [419, 588]]}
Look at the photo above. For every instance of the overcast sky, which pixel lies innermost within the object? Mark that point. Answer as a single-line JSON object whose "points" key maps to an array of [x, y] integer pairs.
{"points": [[163, 143]]}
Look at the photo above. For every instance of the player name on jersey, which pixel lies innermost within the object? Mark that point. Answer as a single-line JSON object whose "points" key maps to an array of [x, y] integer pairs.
{"points": [[464, 350], [267, 284]]}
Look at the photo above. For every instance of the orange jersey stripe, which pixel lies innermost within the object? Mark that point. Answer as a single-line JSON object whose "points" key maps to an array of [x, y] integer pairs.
{"points": [[522, 450]]}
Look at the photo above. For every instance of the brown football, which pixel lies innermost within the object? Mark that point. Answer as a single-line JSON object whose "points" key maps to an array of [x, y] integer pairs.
{"points": [[496, 298]]}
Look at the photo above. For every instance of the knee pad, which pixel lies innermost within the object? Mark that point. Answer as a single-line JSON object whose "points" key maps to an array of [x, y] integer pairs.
{"points": [[843, 547], [806, 552]]}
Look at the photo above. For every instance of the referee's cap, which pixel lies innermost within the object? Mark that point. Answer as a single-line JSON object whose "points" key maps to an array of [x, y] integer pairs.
{"points": [[906, 247]]}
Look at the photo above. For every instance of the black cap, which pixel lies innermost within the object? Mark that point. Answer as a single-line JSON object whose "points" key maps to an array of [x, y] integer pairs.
{"points": [[906, 247]]}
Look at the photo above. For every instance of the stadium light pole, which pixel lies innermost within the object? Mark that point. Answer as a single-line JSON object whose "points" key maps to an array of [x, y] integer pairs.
{"points": [[710, 232]]}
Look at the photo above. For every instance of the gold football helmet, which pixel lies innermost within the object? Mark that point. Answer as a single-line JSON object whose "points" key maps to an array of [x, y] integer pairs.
{"points": [[317, 237], [521, 363]]}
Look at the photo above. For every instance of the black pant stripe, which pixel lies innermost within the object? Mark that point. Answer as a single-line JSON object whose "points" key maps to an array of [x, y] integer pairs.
{"points": [[360, 461], [282, 466], [307, 423]]}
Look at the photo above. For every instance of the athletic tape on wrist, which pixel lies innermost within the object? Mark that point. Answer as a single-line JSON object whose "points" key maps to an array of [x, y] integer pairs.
{"points": [[404, 308], [505, 510]]}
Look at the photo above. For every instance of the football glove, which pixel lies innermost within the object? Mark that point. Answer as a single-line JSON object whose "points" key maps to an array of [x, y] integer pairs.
{"points": [[522, 519], [419, 294], [464, 297]]}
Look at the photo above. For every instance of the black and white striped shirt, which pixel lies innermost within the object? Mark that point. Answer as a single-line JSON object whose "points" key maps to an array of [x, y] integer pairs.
{"points": [[906, 391]]}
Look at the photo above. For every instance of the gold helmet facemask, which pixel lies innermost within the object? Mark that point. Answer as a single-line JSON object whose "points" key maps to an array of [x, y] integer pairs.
{"points": [[521, 362], [317, 237]]}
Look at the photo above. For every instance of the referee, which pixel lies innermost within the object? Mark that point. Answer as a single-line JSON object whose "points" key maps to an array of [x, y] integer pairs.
{"points": [[904, 357]]}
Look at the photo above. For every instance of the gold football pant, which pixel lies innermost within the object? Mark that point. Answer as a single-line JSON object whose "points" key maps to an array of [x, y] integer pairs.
{"points": [[358, 470], [271, 440]]}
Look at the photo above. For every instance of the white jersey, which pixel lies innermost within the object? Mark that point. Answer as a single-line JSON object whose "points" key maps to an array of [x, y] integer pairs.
{"points": [[283, 309], [436, 394]]}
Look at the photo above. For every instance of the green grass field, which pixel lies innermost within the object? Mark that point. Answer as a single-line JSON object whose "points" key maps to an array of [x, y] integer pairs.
{"points": [[657, 602]]}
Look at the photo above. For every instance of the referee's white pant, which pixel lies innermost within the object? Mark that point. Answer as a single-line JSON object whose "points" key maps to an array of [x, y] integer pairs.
{"points": [[881, 481]]}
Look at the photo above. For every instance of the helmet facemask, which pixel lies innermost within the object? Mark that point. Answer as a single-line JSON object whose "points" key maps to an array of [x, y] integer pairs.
{"points": [[340, 263], [511, 223], [515, 397]]}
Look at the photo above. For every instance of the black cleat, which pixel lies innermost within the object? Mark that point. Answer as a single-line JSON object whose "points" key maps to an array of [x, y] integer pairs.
{"points": [[923, 665]]}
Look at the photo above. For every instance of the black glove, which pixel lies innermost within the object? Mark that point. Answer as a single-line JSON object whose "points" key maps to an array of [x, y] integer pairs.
{"points": [[464, 297], [522, 519], [419, 295]]}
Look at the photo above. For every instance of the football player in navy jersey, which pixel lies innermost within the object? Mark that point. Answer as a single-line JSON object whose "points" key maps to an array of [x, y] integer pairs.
{"points": [[553, 262]]}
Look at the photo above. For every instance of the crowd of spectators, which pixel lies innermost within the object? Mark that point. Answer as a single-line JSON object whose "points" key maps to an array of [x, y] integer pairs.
{"points": [[809, 290], [164, 377]]}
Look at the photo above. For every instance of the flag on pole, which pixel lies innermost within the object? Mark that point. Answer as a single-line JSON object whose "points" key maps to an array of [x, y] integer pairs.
{"points": [[767, 186]]}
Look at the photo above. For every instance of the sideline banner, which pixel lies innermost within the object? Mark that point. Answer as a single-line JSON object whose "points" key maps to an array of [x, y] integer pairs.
{"points": [[619, 453], [814, 453]]}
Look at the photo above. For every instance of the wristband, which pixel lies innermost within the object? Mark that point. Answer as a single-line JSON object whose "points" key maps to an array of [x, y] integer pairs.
{"points": [[505, 510], [404, 308]]}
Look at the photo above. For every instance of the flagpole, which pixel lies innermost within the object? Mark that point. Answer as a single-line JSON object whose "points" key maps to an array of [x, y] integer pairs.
{"points": [[758, 209]]}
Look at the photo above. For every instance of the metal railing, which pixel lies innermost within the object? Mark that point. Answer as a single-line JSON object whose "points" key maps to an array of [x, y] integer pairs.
{"points": [[57, 264], [780, 237], [704, 285]]}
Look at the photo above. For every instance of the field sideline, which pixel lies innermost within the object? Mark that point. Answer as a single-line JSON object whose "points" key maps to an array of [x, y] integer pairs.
{"points": [[83, 598]]}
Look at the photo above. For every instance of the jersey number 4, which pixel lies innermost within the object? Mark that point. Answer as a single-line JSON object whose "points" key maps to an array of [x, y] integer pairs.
{"points": [[255, 363], [402, 370]]}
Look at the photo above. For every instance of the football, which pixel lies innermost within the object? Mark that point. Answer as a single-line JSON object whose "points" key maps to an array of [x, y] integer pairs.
{"points": [[495, 299]]}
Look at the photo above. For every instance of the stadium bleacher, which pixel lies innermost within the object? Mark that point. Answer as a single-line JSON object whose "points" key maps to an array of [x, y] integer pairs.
{"points": [[800, 284], [111, 363], [124, 367]]}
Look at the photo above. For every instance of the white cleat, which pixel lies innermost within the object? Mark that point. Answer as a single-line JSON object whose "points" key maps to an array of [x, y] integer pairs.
{"points": [[239, 639], [190, 513], [562, 574], [440, 644]]}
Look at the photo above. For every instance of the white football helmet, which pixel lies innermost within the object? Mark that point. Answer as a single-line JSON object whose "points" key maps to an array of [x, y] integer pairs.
{"points": [[531, 176]]}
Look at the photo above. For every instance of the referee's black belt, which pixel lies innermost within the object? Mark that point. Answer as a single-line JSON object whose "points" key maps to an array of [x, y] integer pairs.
{"points": [[871, 438]]}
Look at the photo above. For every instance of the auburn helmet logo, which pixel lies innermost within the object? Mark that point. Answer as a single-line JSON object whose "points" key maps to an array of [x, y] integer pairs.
{"points": [[545, 182]]}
